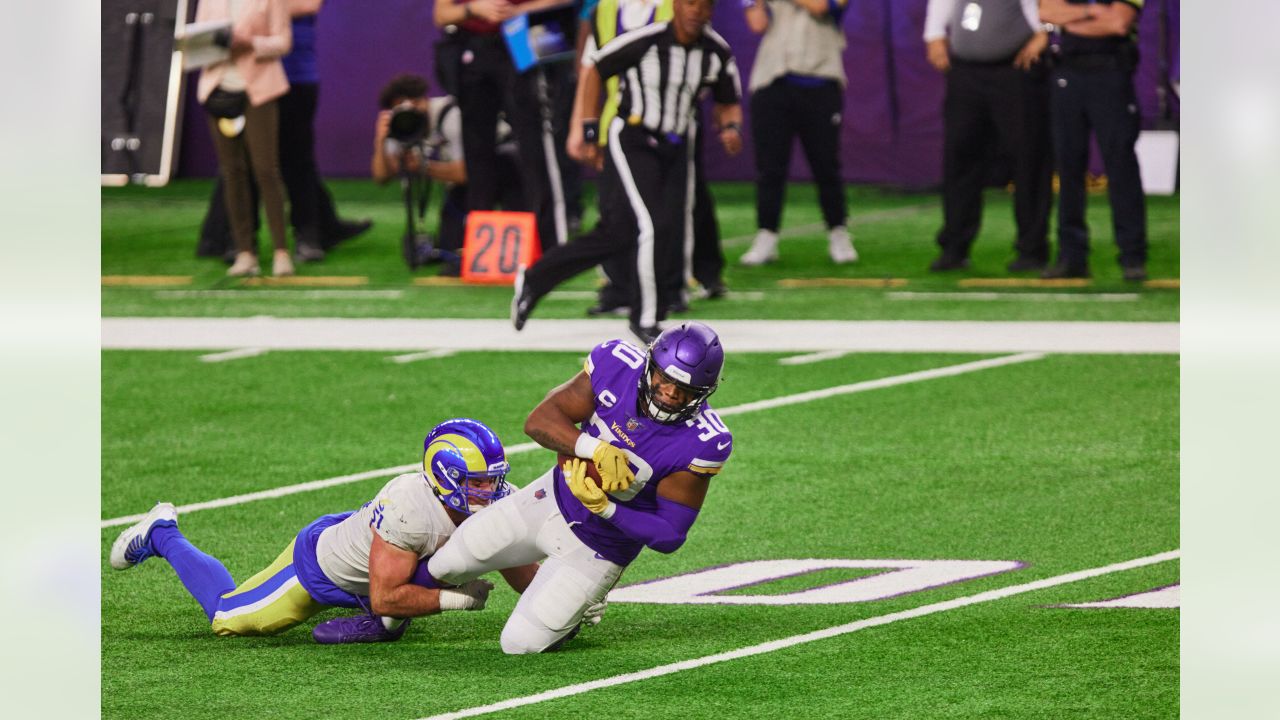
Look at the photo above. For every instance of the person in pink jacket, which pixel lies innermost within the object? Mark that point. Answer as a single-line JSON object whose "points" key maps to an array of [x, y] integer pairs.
{"points": [[240, 96]]}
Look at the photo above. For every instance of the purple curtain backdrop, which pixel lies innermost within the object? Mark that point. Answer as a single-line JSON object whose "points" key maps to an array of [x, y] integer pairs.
{"points": [[893, 103]]}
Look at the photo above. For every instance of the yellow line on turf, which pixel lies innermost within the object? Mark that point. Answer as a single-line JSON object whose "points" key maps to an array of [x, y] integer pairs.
{"points": [[1164, 283], [841, 282], [144, 280], [308, 281], [437, 281], [1025, 282]]}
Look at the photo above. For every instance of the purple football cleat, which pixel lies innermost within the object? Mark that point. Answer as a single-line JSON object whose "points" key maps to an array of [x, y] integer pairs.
{"points": [[357, 629]]}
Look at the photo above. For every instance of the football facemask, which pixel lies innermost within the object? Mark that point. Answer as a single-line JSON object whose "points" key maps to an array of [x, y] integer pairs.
{"points": [[690, 357]]}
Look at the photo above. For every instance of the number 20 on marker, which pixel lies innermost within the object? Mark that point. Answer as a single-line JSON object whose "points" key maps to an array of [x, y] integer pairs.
{"points": [[497, 244]]}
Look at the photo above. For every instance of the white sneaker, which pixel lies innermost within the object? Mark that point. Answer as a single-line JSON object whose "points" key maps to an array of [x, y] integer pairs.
{"points": [[840, 246], [764, 249], [281, 264], [246, 265], [134, 545]]}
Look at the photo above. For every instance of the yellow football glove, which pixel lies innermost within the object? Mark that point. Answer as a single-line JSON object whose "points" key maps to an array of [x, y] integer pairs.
{"points": [[592, 497], [611, 462]]}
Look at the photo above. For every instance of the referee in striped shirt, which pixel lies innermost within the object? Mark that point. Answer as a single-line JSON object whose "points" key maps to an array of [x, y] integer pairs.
{"points": [[662, 69]]}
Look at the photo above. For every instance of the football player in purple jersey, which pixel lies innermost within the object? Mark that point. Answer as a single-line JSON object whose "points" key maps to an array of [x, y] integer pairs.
{"points": [[642, 417]]}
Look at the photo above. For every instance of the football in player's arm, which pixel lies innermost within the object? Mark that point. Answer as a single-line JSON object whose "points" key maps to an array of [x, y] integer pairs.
{"points": [[371, 558], [642, 418]]}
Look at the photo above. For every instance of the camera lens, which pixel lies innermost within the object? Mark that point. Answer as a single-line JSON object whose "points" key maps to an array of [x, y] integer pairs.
{"points": [[408, 124]]}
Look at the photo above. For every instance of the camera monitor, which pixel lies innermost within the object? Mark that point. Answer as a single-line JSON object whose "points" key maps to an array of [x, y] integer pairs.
{"points": [[541, 37]]}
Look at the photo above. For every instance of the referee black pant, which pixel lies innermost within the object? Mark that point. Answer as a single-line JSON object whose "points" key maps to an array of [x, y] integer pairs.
{"points": [[1101, 100], [489, 85], [986, 101], [642, 224]]}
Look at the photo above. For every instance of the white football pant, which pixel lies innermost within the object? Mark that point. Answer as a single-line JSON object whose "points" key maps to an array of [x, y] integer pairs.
{"points": [[517, 530]]}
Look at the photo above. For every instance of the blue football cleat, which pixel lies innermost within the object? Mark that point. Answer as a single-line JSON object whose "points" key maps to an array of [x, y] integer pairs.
{"points": [[134, 545], [357, 629]]}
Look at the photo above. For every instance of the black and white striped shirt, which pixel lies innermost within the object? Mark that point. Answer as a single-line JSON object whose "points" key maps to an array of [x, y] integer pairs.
{"points": [[659, 79]]}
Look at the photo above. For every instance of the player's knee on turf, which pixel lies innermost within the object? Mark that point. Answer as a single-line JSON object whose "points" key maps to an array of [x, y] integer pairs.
{"points": [[520, 636]]}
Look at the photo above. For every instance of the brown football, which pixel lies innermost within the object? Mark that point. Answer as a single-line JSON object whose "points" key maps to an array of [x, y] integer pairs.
{"points": [[592, 472]]}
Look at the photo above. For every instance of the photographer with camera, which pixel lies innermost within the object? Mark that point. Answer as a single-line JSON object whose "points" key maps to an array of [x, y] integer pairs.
{"points": [[419, 140]]}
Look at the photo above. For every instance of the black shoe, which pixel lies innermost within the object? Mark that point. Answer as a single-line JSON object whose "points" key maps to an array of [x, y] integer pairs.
{"points": [[607, 307], [304, 252], [646, 334], [949, 262], [1025, 264], [1134, 273], [348, 229], [449, 269], [1062, 270], [522, 302], [715, 290], [677, 307]]}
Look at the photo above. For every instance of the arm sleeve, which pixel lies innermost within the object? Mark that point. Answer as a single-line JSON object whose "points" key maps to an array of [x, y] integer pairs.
{"points": [[728, 86], [664, 530], [280, 41], [938, 16], [625, 50]]}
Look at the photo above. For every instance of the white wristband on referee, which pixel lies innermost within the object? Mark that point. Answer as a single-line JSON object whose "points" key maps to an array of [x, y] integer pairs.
{"points": [[586, 445]]}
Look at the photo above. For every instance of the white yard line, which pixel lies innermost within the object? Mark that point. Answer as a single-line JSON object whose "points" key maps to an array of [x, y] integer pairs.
{"points": [[233, 355], [1015, 296], [525, 447], [792, 336], [812, 357], [784, 643], [948, 371], [427, 355]]}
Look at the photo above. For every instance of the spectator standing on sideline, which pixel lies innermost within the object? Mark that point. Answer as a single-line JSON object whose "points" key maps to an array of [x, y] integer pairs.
{"points": [[797, 89], [240, 95], [488, 84], [316, 226], [991, 52], [662, 69], [1092, 89], [439, 157]]}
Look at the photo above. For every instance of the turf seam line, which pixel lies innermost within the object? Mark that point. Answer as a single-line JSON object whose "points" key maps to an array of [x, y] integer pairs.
{"points": [[525, 447], [784, 643], [233, 354]]}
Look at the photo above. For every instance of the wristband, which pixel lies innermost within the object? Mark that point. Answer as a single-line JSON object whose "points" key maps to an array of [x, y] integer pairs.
{"points": [[609, 510], [591, 131], [586, 445]]}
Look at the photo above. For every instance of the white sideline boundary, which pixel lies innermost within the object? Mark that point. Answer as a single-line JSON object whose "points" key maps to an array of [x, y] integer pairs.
{"points": [[784, 643], [525, 447]]}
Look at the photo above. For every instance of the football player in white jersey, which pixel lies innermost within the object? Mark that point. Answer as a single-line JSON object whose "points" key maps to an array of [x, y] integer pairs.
{"points": [[642, 417], [371, 558]]}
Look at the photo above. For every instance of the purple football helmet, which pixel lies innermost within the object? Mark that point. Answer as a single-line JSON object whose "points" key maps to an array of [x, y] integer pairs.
{"points": [[689, 355]]}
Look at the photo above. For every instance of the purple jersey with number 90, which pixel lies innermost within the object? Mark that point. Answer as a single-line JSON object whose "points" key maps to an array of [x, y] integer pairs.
{"points": [[701, 445]]}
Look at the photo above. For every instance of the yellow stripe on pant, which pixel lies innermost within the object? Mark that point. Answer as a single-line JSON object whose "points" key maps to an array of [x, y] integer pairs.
{"points": [[267, 603]]}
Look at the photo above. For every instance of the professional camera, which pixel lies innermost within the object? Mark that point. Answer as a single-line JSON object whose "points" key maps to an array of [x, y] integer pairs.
{"points": [[409, 125]]}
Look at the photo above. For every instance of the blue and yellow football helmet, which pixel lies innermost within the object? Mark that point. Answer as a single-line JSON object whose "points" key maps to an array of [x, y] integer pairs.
{"points": [[465, 465]]}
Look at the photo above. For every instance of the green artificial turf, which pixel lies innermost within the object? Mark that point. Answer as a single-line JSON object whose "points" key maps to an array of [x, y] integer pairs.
{"points": [[153, 231], [1064, 463]]}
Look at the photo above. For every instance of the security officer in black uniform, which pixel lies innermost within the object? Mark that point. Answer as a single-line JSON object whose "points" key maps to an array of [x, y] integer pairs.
{"points": [[1092, 89]]}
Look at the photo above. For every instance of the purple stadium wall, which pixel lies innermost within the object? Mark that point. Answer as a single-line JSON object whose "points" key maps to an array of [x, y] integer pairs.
{"points": [[893, 104]]}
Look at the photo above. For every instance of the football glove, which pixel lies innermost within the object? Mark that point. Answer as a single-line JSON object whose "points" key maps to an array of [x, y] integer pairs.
{"points": [[467, 596], [595, 613], [611, 463], [592, 497]]}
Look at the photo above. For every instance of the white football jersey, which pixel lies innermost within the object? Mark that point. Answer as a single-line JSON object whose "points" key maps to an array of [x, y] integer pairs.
{"points": [[405, 513]]}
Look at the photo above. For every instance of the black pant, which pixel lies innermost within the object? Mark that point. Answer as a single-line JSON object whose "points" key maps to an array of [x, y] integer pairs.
{"points": [[779, 113], [996, 101], [642, 224], [707, 257], [488, 85], [311, 211], [1101, 100]]}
